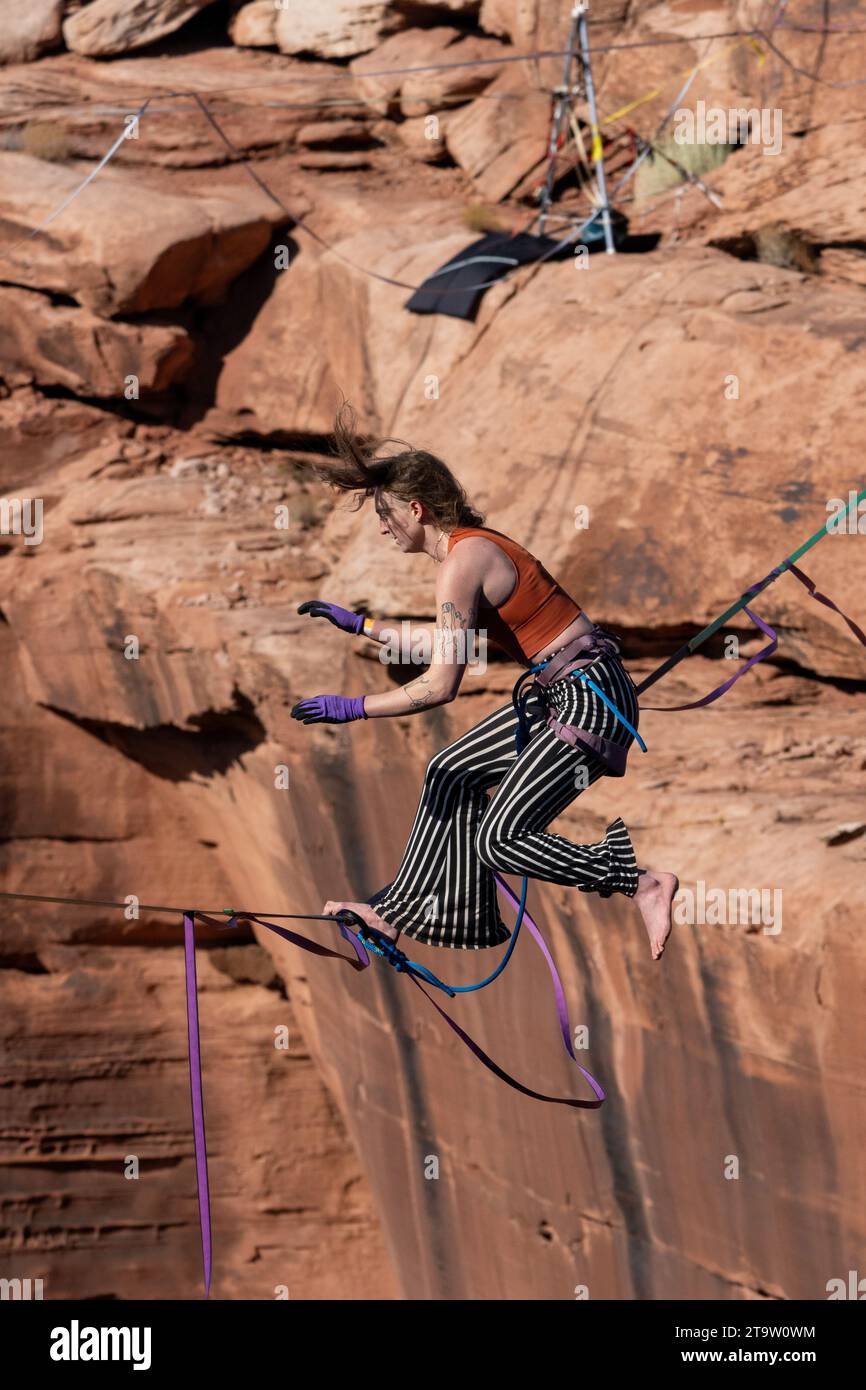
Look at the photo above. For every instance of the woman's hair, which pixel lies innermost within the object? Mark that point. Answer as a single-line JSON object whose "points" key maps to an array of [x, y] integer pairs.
{"points": [[411, 474]]}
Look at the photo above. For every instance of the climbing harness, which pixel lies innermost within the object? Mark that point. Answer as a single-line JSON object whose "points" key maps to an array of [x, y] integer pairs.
{"points": [[568, 663]]}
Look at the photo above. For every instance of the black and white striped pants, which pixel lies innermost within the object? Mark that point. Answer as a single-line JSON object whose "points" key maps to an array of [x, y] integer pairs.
{"points": [[444, 892]]}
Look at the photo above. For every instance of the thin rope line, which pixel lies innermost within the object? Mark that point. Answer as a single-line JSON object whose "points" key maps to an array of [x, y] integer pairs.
{"points": [[296, 221], [70, 198], [59, 108], [152, 907], [531, 55], [354, 74], [300, 221], [347, 260], [813, 77]]}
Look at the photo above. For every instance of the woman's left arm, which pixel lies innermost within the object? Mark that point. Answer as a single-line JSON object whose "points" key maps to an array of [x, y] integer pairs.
{"points": [[458, 590]]}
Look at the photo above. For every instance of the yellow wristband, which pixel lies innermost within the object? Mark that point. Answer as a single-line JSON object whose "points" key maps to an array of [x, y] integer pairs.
{"points": [[368, 626]]}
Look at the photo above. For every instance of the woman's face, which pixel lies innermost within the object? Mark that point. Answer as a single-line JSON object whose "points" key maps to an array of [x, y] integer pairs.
{"points": [[400, 520]]}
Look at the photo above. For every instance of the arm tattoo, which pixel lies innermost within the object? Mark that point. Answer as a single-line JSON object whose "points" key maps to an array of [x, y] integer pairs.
{"points": [[448, 642], [449, 646], [424, 695]]}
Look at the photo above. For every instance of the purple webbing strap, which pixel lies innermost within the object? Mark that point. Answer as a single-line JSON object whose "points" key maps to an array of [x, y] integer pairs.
{"points": [[726, 685], [559, 992], [503, 1075], [464, 1036], [822, 598], [196, 1094], [195, 1083], [753, 660], [305, 942], [363, 960], [772, 645]]}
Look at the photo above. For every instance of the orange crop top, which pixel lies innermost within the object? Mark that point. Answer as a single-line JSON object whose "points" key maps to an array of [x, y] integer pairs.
{"points": [[538, 609]]}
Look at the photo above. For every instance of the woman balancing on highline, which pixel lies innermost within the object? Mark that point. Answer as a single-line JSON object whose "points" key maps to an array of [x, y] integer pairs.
{"points": [[444, 893]]}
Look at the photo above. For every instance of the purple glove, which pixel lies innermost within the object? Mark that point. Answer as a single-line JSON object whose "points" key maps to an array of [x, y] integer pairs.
{"points": [[330, 709], [340, 617]]}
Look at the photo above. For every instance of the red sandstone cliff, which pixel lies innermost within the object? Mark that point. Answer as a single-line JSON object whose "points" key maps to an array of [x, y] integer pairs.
{"points": [[155, 776]]}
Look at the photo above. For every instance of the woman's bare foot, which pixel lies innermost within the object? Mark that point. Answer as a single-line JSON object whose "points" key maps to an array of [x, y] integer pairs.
{"points": [[654, 897], [366, 913]]}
